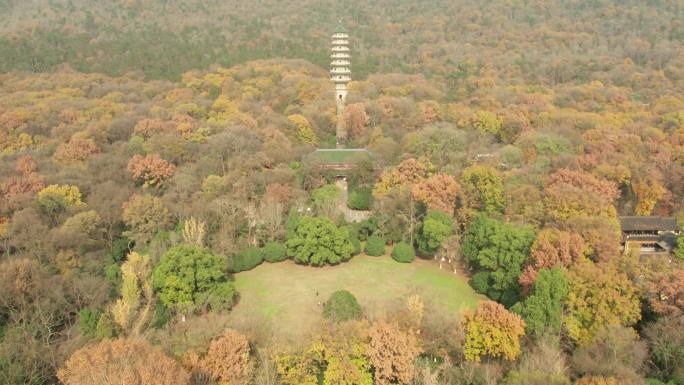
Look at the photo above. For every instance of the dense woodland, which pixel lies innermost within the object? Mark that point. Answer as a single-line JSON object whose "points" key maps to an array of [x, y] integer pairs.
{"points": [[151, 150]]}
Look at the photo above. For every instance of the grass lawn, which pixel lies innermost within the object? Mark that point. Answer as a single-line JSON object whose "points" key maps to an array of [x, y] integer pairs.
{"points": [[335, 156], [283, 295]]}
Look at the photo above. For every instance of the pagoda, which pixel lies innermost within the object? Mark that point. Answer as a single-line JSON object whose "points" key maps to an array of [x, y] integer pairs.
{"points": [[340, 74]]}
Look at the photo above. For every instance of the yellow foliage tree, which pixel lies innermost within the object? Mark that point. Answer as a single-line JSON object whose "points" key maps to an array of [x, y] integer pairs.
{"points": [[487, 122], [132, 311], [492, 331], [304, 131], [57, 198], [648, 192], [598, 296], [300, 368]]}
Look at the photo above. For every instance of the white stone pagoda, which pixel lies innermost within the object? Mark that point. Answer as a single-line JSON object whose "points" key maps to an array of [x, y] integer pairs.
{"points": [[340, 74]]}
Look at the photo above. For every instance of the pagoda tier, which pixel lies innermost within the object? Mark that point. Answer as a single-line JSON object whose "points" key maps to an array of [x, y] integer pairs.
{"points": [[341, 78]]}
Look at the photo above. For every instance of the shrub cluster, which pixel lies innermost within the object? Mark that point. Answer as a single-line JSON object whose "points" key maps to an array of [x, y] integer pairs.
{"points": [[341, 306], [274, 252], [403, 252], [360, 199], [246, 259], [375, 246]]}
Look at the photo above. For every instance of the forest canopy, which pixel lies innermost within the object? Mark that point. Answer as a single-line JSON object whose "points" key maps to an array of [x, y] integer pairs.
{"points": [[157, 156]]}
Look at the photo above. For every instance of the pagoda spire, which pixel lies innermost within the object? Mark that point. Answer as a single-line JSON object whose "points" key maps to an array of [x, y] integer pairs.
{"points": [[340, 74]]}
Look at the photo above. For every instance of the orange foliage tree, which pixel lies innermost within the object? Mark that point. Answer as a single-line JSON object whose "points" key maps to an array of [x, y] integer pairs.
{"points": [[406, 173], [148, 127], [437, 192], [130, 362], [552, 248], [14, 190], [228, 359], [355, 119], [392, 352], [666, 293], [151, 170], [76, 150], [25, 165], [575, 193]]}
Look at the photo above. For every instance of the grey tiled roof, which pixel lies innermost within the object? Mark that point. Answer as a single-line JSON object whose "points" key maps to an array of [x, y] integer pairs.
{"points": [[648, 223]]}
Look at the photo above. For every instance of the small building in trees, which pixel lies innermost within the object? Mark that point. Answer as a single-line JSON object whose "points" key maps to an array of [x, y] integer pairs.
{"points": [[341, 160], [650, 235]]}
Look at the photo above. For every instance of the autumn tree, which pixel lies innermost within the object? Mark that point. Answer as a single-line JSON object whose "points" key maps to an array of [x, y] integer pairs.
{"points": [[303, 128], [133, 311], [26, 165], [228, 359], [617, 352], [598, 297], [55, 199], [194, 231], [145, 215], [665, 293], [492, 331], [300, 368], [346, 354], [107, 200], [35, 307], [487, 122], [148, 127], [121, 361], [483, 188], [150, 170], [405, 174], [648, 192], [552, 248], [601, 236], [355, 119], [571, 193], [85, 229], [543, 362], [339, 356], [437, 192], [76, 150], [273, 209], [392, 352], [497, 251], [16, 191]]}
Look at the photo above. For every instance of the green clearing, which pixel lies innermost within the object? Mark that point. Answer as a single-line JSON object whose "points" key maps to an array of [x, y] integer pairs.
{"points": [[337, 156], [283, 295]]}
